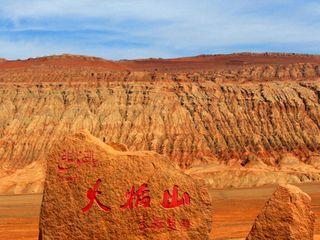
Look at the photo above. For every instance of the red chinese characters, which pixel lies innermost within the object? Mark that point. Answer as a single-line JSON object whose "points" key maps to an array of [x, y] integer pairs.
{"points": [[86, 157], [160, 224], [63, 160], [172, 201], [69, 160], [62, 169], [140, 197], [143, 224], [171, 223], [185, 223], [92, 196], [78, 158], [135, 198]]}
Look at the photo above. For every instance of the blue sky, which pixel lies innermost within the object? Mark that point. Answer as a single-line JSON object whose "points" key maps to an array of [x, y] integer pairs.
{"points": [[118, 29]]}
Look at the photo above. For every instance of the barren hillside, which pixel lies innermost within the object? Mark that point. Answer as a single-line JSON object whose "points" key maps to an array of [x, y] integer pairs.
{"points": [[236, 120]]}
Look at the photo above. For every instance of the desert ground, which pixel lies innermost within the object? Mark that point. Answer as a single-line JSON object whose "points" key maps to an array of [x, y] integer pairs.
{"points": [[234, 212]]}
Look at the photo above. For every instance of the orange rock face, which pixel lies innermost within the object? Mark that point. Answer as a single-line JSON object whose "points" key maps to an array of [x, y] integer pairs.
{"points": [[286, 215], [93, 191], [235, 120]]}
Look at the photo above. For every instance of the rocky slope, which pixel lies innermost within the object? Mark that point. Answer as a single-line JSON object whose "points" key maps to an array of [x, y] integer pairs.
{"points": [[236, 120]]}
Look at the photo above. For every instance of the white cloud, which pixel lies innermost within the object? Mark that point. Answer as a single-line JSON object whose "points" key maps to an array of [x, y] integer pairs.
{"points": [[163, 28], [118, 10]]}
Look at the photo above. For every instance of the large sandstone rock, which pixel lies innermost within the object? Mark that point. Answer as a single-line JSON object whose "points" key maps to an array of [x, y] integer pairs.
{"points": [[286, 215], [135, 195]]}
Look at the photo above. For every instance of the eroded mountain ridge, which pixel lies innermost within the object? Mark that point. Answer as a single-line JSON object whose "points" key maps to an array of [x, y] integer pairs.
{"points": [[244, 123]]}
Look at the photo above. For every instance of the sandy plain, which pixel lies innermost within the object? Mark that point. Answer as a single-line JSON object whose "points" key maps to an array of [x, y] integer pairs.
{"points": [[234, 212]]}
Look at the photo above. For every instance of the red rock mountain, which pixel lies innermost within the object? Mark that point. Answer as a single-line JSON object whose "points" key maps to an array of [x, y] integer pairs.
{"points": [[235, 120]]}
